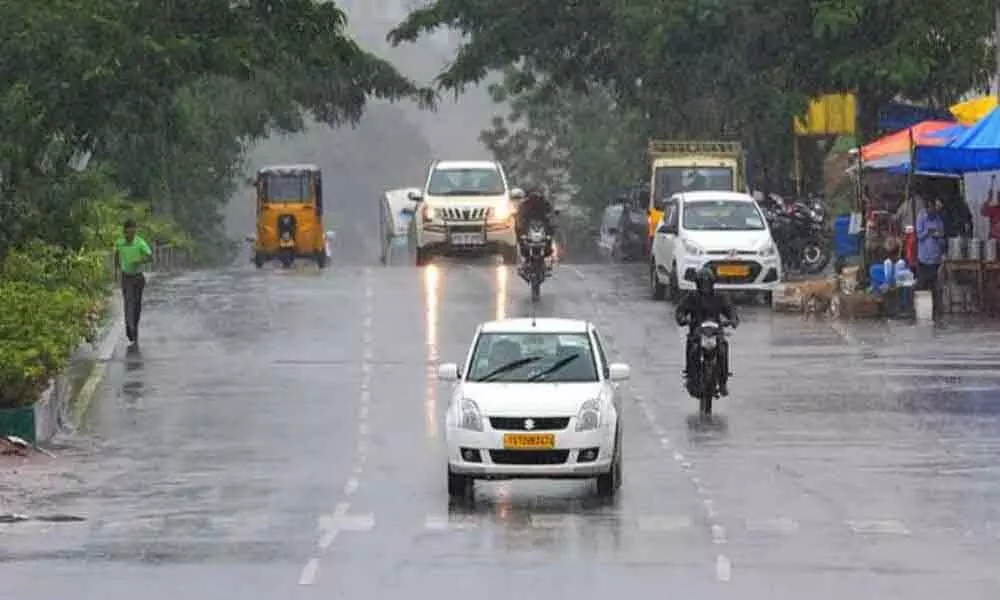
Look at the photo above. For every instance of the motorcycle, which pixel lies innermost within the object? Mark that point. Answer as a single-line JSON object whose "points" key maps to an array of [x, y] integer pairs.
{"points": [[704, 385], [800, 232], [535, 268]]}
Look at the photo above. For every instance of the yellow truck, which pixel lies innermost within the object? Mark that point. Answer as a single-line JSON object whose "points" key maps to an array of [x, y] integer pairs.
{"points": [[690, 166]]}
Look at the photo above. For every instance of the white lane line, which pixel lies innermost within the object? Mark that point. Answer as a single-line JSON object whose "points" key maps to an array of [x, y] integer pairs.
{"points": [[882, 527], [709, 508], [364, 412], [308, 575], [351, 486], [723, 569], [363, 429], [718, 534]]}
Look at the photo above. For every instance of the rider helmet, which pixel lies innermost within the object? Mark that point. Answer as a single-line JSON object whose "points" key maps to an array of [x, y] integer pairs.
{"points": [[705, 280]]}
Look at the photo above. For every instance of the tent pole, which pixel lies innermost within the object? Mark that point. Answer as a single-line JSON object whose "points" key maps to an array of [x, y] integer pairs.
{"points": [[910, 174]]}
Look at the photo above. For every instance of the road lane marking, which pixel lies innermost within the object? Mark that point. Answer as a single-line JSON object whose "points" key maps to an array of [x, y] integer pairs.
{"points": [[718, 534], [664, 523], [449, 522], [879, 527], [723, 569], [782, 525], [308, 575], [351, 486]]}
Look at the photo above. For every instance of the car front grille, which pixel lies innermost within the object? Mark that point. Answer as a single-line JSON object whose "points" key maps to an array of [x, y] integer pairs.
{"points": [[453, 213], [521, 423], [529, 457]]}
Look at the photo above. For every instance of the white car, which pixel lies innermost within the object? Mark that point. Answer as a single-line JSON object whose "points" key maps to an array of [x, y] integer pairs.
{"points": [[465, 206], [725, 231], [536, 398]]}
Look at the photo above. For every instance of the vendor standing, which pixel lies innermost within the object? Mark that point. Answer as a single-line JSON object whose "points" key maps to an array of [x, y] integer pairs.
{"points": [[930, 250], [991, 210], [131, 253]]}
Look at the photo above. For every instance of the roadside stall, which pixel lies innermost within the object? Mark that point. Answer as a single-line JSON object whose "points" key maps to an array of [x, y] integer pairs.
{"points": [[890, 194], [971, 270]]}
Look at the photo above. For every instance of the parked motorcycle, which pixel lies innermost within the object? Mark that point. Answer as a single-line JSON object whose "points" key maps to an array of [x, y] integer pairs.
{"points": [[535, 268], [800, 231], [705, 384]]}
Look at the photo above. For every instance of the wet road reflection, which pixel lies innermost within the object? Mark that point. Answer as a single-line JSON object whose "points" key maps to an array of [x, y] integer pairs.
{"points": [[855, 462], [433, 283]]}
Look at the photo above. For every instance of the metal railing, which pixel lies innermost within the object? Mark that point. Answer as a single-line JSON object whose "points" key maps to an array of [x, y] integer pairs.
{"points": [[167, 258]]}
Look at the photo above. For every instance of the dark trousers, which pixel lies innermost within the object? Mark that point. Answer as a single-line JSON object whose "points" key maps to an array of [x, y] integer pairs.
{"points": [[927, 279], [132, 286]]}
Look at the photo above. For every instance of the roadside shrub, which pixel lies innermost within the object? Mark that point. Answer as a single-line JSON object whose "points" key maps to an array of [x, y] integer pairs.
{"points": [[39, 328]]}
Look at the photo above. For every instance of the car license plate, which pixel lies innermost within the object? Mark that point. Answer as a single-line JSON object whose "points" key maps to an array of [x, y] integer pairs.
{"points": [[733, 270], [468, 239], [529, 441]]}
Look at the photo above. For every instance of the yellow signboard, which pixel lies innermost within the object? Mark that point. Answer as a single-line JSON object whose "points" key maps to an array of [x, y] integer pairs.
{"points": [[831, 114]]}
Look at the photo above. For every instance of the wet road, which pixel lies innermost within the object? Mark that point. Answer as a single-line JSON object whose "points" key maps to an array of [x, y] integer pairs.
{"points": [[278, 436]]}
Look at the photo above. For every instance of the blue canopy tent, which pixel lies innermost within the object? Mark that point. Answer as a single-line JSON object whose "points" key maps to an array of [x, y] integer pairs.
{"points": [[978, 149]]}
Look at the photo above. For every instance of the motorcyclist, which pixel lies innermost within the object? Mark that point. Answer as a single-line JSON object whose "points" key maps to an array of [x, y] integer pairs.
{"points": [[698, 307], [535, 207]]}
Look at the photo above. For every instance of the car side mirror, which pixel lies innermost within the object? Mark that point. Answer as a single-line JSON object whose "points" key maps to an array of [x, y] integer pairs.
{"points": [[619, 372], [448, 372], [517, 194], [416, 196]]}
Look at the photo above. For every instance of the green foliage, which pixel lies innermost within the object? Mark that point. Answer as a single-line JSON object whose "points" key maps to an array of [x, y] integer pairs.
{"points": [[739, 69]]}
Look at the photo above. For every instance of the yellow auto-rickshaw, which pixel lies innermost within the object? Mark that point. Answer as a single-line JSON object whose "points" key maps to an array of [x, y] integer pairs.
{"points": [[290, 215]]}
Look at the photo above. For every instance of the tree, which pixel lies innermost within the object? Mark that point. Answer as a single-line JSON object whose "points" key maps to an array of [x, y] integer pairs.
{"points": [[739, 68], [167, 94]]}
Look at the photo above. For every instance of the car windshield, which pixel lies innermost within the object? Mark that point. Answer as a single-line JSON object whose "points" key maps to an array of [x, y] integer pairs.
{"points": [[722, 215], [612, 216], [465, 182], [287, 188], [672, 180], [533, 357]]}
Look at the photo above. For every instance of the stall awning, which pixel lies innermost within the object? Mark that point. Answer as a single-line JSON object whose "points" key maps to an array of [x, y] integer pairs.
{"points": [[978, 149], [972, 111], [893, 150]]}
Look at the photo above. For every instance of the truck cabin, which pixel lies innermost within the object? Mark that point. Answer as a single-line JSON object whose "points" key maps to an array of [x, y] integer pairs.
{"points": [[672, 179], [293, 184]]}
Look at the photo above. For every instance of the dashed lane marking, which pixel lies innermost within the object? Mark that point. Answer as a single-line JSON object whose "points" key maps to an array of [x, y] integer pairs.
{"points": [[879, 527]]}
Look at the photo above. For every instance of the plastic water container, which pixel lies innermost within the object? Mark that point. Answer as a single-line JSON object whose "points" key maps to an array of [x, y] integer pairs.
{"points": [[844, 243], [877, 276]]}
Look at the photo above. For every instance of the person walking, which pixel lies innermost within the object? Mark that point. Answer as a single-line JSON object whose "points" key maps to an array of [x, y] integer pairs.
{"points": [[131, 254], [930, 251]]}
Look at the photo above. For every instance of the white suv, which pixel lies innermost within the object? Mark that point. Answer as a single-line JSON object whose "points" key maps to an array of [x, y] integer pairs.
{"points": [[465, 206], [725, 231]]}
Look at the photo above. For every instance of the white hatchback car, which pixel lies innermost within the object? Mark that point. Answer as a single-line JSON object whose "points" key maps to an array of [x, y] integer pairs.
{"points": [[536, 399], [725, 231]]}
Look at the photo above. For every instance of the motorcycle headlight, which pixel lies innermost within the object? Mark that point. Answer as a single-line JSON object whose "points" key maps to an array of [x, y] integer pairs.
{"points": [[691, 249], [708, 342], [501, 212], [768, 250], [471, 418], [589, 417]]}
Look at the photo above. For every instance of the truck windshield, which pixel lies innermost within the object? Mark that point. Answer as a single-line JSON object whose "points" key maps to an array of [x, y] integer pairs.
{"points": [[287, 188], [671, 180]]}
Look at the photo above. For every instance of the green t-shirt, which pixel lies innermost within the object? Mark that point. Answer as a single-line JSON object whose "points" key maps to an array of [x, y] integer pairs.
{"points": [[129, 254]]}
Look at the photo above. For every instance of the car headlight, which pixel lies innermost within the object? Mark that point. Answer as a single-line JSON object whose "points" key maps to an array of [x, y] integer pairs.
{"points": [[768, 250], [501, 212], [430, 214], [691, 249], [589, 417], [471, 418]]}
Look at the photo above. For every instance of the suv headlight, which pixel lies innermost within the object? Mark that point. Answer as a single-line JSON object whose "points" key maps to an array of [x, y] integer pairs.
{"points": [[430, 214], [691, 249], [768, 250], [470, 416], [501, 212], [589, 417]]}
